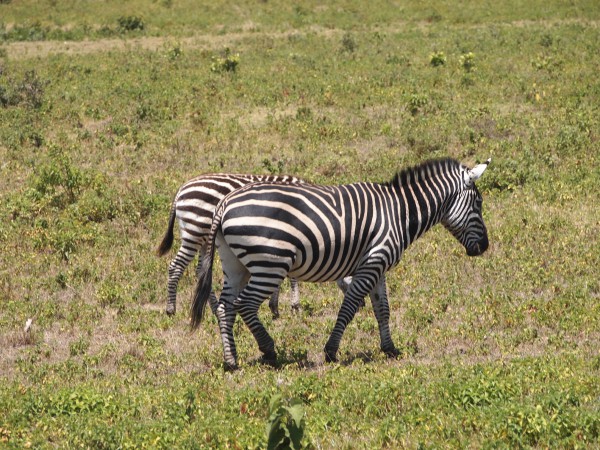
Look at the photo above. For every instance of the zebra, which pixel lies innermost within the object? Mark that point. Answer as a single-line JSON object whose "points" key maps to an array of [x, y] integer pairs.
{"points": [[194, 205], [267, 231]]}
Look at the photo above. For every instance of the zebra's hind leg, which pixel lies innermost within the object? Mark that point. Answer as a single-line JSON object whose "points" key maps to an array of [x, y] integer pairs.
{"points": [[256, 291], [381, 308], [226, 316], [359, 288], [182, 259], [274, 304], [295, 292], [235, 277]]}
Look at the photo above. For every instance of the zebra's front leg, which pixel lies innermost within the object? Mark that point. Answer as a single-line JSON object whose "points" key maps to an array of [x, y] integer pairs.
{"points": [[344, 285], [381, 308], [359, 288]]}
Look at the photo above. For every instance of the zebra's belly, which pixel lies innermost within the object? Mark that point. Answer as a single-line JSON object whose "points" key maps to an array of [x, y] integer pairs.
{"points": [[326, 265]]}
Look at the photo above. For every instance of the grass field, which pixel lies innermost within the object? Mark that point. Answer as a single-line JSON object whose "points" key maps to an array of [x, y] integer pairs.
{"points": [[107, 107]]}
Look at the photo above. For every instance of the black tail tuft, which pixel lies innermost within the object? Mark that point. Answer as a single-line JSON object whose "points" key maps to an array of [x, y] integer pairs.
{"points": [[167, 241], [204, 285], [203, 289]]}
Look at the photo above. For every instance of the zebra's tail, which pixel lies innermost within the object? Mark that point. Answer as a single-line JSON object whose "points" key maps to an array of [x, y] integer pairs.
{"points": [[204, 285], [167, 241]]}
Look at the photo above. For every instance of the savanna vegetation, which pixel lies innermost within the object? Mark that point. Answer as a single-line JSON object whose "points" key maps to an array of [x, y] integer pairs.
{"points": [[107, 107]]}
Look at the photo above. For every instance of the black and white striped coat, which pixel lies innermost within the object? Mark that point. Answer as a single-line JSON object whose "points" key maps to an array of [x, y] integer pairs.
{"points": [[193, 207], [267, 231]]}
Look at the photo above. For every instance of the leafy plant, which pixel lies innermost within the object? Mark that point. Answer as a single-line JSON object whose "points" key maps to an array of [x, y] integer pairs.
{"points": [[79, 347], [467, 61], [349, 43], [29, 91], [437, 59], [130, 23], [416, 103], [226, 63], [285, 427]]}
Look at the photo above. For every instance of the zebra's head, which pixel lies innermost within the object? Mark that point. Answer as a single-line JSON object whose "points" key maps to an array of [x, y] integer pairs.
{"points": [[463, 216]]}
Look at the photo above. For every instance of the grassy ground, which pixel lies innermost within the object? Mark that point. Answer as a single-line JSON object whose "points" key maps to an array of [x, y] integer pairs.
{"points": [[105, 109]]}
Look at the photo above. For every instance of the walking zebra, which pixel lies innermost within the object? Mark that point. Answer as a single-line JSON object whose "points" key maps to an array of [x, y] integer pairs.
{"points": [[193, 206], [267, 231]]}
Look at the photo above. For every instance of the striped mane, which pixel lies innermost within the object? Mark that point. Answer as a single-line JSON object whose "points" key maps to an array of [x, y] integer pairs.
{"points": [[422, 171]]}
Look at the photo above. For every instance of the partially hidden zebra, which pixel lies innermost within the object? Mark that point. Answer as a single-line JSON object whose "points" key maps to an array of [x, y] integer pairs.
{"points": [[193, 206], [267, 231]]}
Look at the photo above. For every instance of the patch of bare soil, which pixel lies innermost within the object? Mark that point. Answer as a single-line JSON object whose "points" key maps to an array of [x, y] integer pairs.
{"points": [[24, 50]]}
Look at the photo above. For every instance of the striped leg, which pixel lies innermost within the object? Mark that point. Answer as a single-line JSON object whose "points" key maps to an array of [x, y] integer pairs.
{"points": [[381, 308], [235, 277], [361, 285], [274, 304], [295, 293], [256, 291], [226, 316], [344, 284], [182, 259]]}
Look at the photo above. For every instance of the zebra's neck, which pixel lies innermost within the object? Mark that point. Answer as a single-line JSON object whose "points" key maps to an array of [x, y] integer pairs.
{"points": [[423, 193]]}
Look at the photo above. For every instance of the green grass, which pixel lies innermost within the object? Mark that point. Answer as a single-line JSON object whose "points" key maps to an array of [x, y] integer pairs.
{"points": [[100, 124]]}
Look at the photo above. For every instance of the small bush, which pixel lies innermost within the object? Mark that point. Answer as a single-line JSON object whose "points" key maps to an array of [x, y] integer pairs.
{"points": [[59, 180], [348, 43], [227, 63], [79, 347], [29, 91], [416, 103], [304, 113], [130, 23], [467, 61], [437, 59], [285, 428], [110, 294]]}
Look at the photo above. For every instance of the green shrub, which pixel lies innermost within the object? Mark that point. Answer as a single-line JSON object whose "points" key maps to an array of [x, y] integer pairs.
{"points": [[130, 23], [467, 61], [79, 347], [29, 91], [226, 63], [285, 427], [349, 43], [416, 103], [437, 59]]}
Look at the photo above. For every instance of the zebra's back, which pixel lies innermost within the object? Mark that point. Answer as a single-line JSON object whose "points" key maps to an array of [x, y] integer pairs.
{"points": [[323, 232], [196, 200]]}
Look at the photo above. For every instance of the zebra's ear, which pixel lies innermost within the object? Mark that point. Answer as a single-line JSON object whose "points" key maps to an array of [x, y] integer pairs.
{"points": [[475, 173]]}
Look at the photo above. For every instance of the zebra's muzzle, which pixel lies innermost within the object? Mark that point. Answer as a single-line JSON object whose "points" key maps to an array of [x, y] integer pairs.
{"points": [[479, 247]]}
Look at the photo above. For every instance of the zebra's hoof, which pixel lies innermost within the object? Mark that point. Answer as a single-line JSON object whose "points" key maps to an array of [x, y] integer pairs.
{"points": [[230, 367], [269, 359], [170, 310], [331, 356], [392, 352], [275, 315]]}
